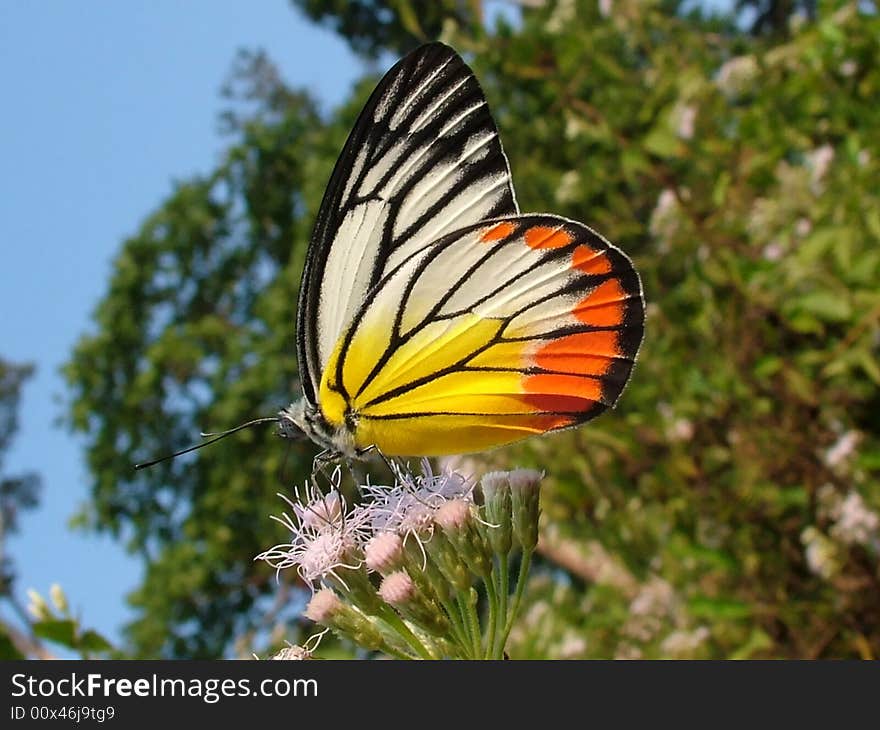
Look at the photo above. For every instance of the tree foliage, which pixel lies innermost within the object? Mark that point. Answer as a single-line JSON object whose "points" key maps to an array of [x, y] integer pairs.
{"points": [[18, 492], [727, 508], [376, 26]]}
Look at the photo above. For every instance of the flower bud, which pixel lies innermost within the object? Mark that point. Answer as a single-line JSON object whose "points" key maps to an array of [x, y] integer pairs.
{"points": [[325, 604], [38, 608], [457, 522], [524, 489], [399, 590], [384, 553], [424, 570], [292, 653], [58, 598], [498, 511], [450, 563], [354, 583], [327, 609]]}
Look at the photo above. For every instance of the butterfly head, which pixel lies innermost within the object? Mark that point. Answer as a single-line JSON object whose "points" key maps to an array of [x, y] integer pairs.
{"points": [[300, 419]]}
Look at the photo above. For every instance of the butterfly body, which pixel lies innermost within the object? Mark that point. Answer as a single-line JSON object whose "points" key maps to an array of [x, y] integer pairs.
{"points": [[434, 318]]}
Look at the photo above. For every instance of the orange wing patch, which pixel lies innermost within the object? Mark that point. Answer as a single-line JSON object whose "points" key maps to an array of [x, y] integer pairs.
{"points": [[584, 353], [561, 393], [544, 237], [497, 232], [602, 307], [590, 261]]}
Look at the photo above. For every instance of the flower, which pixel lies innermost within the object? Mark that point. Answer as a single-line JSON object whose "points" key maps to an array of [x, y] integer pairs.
{"points": [[684, 643], [524, 487], [384, 552], [665, 218], [819, 161], [59, 600], [38, 608], [456, 519], [325, 537], [855, 523], [328, 609], [399, 590], [735, 76], [320, 510], [426, 604], [408, 507], [294, 652], [823, 556], [325, 604], [842, 449], [686, 117], [496, 500], [568, 188]]}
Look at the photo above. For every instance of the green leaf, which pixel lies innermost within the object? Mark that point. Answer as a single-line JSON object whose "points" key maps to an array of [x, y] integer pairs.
{"points": [[828, 306], [719, 608], [7, 648], [872, 221], [758, 641], [768, 366], [869, 364], [661, 141], [61, 631], [92, 641]]}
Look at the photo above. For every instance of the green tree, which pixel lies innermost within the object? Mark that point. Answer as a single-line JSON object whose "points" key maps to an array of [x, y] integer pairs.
{"points": [[376, 26], [17, 493], [774, 16], [727, 508]]}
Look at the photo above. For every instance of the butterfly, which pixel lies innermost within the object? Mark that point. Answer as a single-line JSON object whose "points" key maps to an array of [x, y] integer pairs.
{"points": [[434, 318]]}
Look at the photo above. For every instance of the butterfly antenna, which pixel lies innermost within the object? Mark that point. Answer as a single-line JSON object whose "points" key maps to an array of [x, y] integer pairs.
{"points": [[214, 438]]}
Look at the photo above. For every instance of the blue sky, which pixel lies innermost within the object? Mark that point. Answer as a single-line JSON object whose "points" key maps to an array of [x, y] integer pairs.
{"points": [[105, 103]]}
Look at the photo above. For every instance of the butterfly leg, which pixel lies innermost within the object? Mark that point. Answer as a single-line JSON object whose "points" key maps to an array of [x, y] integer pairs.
{"points": [[321, 466], [393, 467]]}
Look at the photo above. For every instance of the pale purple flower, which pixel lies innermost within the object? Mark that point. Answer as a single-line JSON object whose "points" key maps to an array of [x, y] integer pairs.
{"points": [[842, 449], [856, 522], [737, 75], [324, 536], [819, 161], [409, 506], [823, 557], [687, 118]]}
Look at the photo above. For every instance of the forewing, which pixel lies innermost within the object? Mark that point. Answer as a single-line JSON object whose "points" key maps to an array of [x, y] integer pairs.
{"points": [[502, 329], [423, 159]]}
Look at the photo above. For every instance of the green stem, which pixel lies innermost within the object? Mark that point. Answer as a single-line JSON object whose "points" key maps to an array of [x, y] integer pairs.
{"points": [[518, 593], [474, 618], [396, 653], [503, 588], [492, 595], [396, 623], [458, 629], [473, 638]]}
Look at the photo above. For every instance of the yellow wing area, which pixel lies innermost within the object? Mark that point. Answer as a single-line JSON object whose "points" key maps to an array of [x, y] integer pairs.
{"points": [[494, 333]]}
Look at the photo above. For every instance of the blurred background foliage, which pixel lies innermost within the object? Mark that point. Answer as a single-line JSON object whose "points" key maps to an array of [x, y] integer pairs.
{"points": [[728, 508]]}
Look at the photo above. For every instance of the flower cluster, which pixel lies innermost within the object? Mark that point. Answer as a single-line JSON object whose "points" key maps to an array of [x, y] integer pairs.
{"points": [[419, 568]]}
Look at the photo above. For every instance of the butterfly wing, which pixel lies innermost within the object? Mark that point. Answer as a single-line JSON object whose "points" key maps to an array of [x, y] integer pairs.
{"points": [[499, 330], [423, 159]]}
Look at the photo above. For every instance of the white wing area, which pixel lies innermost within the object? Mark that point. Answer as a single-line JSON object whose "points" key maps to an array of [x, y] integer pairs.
{"points": [[424, 159]]}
